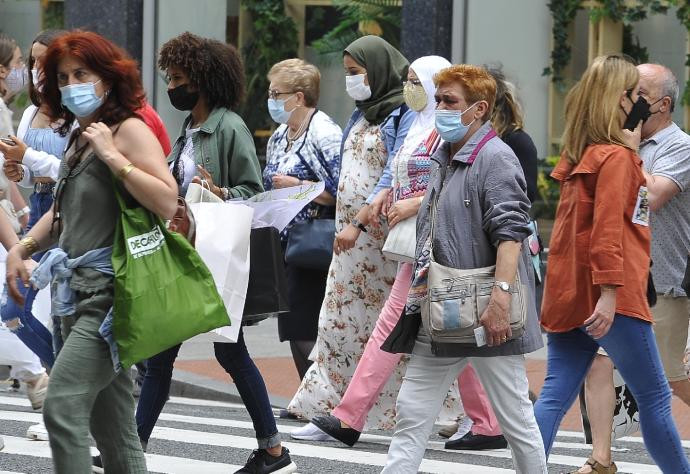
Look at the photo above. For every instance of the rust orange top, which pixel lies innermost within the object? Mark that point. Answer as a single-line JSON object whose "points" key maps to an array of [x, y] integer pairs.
{"points": [[600, 237]]}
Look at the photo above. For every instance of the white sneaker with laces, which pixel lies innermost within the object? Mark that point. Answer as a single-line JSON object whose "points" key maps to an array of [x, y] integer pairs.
{"points": [[37, 432], [464, 427], [311, 432]]}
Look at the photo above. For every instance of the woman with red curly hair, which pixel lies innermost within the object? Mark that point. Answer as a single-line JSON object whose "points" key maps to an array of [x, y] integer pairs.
{"points": [[88, 79]]}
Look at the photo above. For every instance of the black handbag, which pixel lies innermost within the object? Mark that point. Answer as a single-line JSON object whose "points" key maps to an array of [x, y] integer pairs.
{"points": [[310, 244], [267, 291]]}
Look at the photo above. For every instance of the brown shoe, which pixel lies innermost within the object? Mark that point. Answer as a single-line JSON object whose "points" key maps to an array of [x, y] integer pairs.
{"points": [[598, 468]]}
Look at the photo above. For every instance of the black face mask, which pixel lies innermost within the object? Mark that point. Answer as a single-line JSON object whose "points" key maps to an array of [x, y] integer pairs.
{"points": [[182, 98], [639, 112]]}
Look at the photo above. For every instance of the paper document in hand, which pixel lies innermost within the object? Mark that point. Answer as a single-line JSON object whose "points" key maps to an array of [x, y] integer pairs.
{"points": [[278, 207]]}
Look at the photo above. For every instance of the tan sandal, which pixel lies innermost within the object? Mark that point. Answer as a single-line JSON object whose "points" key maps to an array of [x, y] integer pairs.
{"points": [[598, 468]]}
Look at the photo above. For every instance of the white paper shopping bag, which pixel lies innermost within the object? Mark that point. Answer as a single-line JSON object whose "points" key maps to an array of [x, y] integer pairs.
{"points": [[222, 240], [199, 193]]}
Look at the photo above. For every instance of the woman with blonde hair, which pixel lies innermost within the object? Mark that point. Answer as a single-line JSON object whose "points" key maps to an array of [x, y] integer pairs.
{"points": [[596, 283], [304, 149]]}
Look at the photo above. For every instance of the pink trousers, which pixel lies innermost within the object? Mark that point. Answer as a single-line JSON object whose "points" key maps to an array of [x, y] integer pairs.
{"points": [[376, 366]]}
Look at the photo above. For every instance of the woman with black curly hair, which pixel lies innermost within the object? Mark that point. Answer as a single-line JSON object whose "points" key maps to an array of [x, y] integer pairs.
{"points": [[206, 77]]}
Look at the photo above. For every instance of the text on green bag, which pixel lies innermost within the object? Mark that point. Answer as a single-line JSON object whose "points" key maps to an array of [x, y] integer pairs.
{"points": [[146, 244]]}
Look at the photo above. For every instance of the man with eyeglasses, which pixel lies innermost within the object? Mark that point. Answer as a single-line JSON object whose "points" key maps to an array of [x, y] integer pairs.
{"points": [[665, 152]]}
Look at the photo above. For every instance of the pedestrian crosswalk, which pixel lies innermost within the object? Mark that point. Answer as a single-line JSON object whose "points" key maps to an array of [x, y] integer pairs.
{"points": [[198, 437]]}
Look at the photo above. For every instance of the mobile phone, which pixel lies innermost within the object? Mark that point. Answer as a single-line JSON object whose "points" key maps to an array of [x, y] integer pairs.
{"points": [[480, 336], [8, 141]]}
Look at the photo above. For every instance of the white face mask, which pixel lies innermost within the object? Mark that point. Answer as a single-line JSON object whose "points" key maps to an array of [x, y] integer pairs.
{"points": [[34, 77], [356, 88]]}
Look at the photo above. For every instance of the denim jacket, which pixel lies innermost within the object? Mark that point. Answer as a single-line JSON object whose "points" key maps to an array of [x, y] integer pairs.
{"points": [[393, 131], [225, 148], [57, 268]]}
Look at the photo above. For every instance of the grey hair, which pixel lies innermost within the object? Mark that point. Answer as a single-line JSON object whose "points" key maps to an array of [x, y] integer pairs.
{"points": [[669, 86]]}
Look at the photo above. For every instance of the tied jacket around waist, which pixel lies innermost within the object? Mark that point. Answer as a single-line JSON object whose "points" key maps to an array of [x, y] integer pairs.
{"points": [[467, 234]]}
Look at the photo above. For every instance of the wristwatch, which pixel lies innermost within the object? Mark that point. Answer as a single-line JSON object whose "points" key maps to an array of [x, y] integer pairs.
{"points": [[355, 222], [503, 285]]}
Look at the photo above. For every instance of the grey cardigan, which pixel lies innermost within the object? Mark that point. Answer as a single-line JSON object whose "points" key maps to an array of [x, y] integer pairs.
{"points": [[480, 204]]}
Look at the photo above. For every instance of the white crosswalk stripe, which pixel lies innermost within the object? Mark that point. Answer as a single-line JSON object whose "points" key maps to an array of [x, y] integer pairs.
{"points": [[198, 437]]}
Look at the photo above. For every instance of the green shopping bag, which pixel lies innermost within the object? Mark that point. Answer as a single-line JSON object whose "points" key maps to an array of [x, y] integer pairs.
{"points": [[164, 293]]}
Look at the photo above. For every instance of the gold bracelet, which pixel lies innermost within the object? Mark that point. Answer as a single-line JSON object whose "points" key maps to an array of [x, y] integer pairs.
{"points": [[122, 174], [30, 244]]}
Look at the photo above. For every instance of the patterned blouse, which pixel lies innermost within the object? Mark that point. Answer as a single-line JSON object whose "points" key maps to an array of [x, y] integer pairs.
{"points": [[411, 176], [315, 156]]}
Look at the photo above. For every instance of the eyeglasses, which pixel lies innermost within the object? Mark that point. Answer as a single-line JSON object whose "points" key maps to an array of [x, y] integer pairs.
{"points": [[273, 94], [414, 82]]}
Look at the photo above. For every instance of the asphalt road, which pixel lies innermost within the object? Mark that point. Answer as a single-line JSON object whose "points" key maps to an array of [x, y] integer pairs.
{"points": [[196, 436]]}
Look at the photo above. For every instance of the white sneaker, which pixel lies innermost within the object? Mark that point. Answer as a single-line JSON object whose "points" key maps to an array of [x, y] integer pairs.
{"points": [[311, 432], [37, 432], [464, 427]]}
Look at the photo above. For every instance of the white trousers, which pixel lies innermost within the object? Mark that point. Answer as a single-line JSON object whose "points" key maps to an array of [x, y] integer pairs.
{"points": [[425, 386]]}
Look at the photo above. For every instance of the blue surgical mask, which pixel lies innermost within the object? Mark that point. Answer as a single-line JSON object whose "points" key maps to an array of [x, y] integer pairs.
{"points": [[449, 124], [276, 107], [81, 99]]}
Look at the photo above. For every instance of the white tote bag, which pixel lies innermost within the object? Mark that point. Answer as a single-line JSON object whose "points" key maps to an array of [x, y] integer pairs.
{"points": [[626, 416], [222, 240], [401, 241]]}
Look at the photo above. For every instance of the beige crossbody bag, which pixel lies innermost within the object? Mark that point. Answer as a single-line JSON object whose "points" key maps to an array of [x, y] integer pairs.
{"points": [[457, 298]]}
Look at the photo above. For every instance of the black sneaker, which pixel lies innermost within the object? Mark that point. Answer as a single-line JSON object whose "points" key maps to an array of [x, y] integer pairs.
{"points": [[286, 415], [477, 442], [260, 462], [97, 464], [331, 426]]}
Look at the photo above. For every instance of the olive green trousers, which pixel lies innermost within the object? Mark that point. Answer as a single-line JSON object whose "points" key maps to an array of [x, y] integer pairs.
{"points": [[85, 395]]}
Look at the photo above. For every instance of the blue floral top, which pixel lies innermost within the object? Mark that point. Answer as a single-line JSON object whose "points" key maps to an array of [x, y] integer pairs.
{"points": [[314, 156]]}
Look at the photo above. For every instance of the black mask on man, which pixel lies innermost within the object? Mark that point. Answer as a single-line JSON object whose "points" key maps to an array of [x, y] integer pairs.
{"points": [[182, 98], [639, 112]]}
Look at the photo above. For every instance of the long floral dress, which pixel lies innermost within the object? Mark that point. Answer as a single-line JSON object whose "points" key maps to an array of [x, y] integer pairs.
{"points": [[358, 285]]}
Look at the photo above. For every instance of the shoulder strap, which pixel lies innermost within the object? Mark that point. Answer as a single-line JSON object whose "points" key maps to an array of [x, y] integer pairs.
{"points": [[480, 145], [396, 120], [443, 170]]}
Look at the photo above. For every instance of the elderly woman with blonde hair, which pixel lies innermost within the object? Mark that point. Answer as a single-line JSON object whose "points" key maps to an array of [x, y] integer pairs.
{"points": [[305, 148]]}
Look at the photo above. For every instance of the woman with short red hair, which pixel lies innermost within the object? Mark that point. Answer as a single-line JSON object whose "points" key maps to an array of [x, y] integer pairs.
{"points": [[477, 203], [88, 79]]}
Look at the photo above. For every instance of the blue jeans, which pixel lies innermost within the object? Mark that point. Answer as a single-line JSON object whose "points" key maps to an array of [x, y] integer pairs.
{"points": [[24, 324], [39, 203], [632, 348], [235, 359]]}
